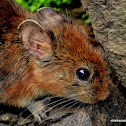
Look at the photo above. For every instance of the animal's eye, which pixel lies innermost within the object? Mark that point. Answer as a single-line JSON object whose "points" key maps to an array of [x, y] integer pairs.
{"points": [[83, 73]]}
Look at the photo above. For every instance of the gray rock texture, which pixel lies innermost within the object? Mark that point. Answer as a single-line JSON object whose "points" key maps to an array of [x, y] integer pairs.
{"points": [[108, 18]]}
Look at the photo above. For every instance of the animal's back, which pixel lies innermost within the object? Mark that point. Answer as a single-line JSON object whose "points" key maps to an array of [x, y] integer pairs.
{"points": [[13, 56]]}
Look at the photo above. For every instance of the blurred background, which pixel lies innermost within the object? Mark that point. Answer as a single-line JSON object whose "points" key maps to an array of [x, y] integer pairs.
{"points": [[71, 8]]}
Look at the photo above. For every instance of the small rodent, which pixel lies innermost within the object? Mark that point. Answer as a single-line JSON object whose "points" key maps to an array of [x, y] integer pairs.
{"points": [[44, 53]]}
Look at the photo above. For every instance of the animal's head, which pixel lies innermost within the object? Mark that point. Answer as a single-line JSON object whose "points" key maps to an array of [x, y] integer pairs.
{"points": [[65, 62]]}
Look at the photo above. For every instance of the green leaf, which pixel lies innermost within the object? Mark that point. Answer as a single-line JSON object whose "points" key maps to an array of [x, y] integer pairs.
{"points": [[29, 2], [88, 21], [33, 8], [84, 16], [25, 5], [58, 9], [65, 1], [19, 1], [41, 1], [58, 2], [33, 5], [69, 1]]}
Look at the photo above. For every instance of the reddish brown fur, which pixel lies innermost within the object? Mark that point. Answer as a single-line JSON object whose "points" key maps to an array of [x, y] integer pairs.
{"points": [[25, 78], [12, 55]]}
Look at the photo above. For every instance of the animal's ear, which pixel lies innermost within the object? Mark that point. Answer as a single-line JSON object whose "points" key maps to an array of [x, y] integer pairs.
{"points": [[50, 15], [35, 39]]}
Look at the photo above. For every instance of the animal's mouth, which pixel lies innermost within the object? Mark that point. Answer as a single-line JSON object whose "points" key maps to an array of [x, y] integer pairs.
{"points": [[53, 100], [74, 98], [93, 98]]}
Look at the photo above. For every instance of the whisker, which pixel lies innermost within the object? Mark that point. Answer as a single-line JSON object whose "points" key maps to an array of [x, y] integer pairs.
{"points": [[80, 120], [57, 105], [77, 108], [80, 104], [36, 103], [44, 107], [94, 107], [76, 102], [63, 106], [91, 112]]}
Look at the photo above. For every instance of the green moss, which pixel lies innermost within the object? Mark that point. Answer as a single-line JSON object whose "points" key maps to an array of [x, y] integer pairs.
{"points": [[34, 5], [86, 17]]}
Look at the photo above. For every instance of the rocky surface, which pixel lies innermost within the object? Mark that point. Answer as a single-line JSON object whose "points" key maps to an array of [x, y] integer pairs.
{"points": [[108, 19]]}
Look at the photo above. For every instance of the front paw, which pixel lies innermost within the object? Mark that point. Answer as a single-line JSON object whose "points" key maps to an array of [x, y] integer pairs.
{"points": [[38, 110]]}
